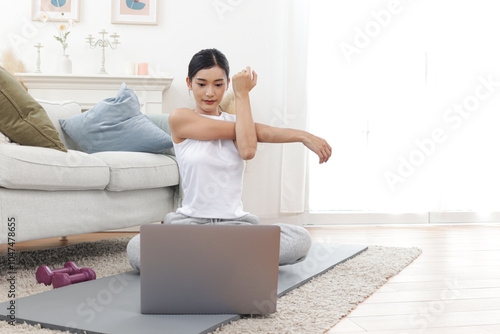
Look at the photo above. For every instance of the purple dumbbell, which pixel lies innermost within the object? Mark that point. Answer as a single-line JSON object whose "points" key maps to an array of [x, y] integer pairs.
{"points": [[44, 274], [61, 279]]}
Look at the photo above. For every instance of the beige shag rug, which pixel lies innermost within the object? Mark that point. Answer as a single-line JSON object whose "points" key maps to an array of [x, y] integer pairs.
{"points": [[312, 308]]}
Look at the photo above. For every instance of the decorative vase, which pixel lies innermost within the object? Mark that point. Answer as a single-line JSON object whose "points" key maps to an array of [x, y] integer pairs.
{"points": [[65, 64]]}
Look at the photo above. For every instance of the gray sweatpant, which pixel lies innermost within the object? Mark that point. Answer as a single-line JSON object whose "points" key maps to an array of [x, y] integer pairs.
{"points": [[295, 241]]}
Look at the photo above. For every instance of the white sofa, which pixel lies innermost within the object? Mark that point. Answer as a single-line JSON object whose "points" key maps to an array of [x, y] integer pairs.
{"points": [[49, 193]]}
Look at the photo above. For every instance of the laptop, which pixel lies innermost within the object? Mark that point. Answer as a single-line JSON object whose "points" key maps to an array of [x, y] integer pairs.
{"points": [[209, 269]]}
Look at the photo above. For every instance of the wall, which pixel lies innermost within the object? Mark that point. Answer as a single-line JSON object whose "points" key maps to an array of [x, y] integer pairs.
{"points": [[248, 32]]}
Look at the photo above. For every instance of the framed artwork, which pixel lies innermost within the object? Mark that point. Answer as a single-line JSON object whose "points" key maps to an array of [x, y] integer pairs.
{"points": [[134, 11], [53, 9]]}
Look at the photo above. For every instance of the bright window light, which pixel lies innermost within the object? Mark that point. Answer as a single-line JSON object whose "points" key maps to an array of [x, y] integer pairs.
{"points": [[408, 96]]}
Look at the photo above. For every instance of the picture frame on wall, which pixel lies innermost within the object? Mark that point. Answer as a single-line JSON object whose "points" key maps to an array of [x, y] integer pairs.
{"points": [[54, 9], [134, 12]]}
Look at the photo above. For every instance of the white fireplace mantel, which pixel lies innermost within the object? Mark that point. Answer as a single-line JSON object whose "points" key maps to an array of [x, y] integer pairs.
{"points": [[87, 90]]}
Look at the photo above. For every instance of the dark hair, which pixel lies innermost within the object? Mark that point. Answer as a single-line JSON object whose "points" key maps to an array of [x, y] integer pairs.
{"points": [[207, 58]]}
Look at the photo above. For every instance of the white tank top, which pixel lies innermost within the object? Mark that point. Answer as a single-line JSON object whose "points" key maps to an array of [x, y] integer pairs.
{"points": [[212, 176]]}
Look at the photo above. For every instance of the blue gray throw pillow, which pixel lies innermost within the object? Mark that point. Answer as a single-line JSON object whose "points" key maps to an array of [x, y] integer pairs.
{"points": [[116, 124]]}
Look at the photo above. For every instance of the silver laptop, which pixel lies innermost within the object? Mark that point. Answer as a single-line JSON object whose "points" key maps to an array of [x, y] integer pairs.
{"points": [[209, 269]]}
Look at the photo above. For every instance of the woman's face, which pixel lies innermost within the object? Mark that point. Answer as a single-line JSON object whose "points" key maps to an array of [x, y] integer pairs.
{"points": [[208, 86]]}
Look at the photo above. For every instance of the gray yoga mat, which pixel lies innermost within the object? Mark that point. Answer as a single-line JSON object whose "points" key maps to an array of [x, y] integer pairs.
{"points": [[112, 304]]}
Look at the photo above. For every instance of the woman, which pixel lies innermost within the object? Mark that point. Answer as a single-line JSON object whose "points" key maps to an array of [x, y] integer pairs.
{"points": [[211, 146]]}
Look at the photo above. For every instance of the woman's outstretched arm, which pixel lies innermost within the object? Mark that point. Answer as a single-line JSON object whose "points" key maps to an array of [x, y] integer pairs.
{"points": [[271, 134], [185, 123]]}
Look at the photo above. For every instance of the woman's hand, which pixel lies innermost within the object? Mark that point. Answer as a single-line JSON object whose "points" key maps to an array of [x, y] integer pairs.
{"points": [[319, 146], [244, 81]]}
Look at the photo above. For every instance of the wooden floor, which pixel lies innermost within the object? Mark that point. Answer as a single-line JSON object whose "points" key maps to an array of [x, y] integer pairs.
{"points": [[453, 287]]}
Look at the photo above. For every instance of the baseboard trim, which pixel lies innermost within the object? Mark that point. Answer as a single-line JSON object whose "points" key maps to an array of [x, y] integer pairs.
{"points": [[382, 219]]}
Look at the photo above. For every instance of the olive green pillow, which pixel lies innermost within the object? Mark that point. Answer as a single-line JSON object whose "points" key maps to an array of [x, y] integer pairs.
{"points": [[23, 119]]}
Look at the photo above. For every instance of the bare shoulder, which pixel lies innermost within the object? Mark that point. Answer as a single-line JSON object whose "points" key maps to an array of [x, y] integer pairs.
{"points": [[177, 120], [180, 114], [182, 111]]}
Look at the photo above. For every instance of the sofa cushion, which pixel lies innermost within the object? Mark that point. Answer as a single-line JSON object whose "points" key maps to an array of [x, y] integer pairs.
{"points": [[30, 167], [23, 119], [62, 109], [138, 170], [117, 124]]}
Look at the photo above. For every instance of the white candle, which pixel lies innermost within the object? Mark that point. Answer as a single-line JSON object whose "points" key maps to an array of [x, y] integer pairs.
{"points": [[129, 68]]}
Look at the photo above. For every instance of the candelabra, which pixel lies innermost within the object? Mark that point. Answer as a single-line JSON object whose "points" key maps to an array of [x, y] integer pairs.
{"points": [[103, 43], [38, 60]]}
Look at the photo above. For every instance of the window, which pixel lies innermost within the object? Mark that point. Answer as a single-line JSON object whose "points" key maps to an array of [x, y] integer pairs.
{"points": [[408, 95]]}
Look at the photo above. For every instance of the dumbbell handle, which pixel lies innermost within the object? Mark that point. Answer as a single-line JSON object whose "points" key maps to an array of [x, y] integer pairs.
{"points": [[61, 279], [44, 274]]}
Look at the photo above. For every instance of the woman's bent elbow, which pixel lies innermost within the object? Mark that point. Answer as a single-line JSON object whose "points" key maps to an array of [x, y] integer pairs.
{"points": [[247, 154]]}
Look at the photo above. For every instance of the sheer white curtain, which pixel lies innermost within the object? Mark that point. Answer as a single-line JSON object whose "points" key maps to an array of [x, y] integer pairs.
{"points": [[408, 95], [294, 161]]}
